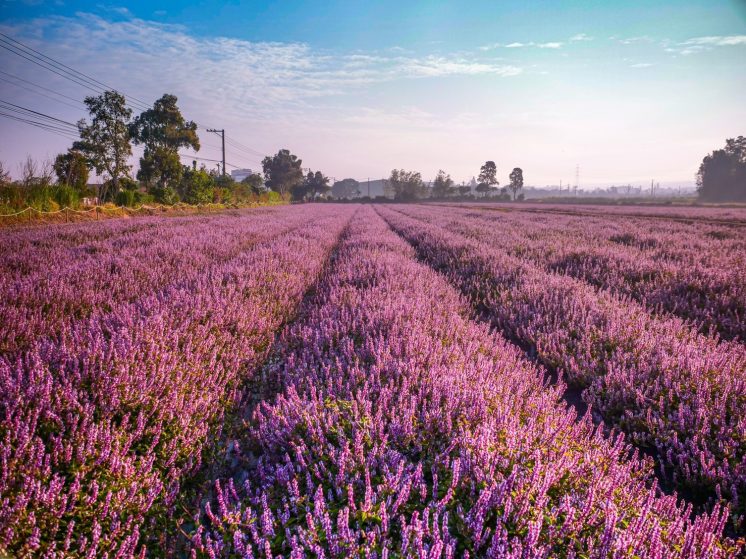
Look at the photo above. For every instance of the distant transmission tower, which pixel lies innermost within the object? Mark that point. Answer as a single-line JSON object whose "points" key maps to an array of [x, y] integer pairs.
{"points": [[577, 178]]}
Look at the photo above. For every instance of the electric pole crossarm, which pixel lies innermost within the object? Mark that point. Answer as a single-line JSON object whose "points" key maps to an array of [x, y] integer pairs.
{"points": [[222, 136]]}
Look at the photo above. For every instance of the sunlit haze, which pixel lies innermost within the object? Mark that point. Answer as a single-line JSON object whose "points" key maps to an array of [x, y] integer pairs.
{"points": [[628, 91]]}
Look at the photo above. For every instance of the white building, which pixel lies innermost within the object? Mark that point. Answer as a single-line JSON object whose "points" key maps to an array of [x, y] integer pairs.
{"points": [[240, 174]]}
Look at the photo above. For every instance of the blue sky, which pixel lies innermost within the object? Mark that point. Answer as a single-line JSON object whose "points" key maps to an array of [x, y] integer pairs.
{"points": [[630, 91]]}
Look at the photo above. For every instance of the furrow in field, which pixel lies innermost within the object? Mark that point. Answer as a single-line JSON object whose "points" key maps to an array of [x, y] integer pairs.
{"points": [[56, 291], [668, 388], [405, 429], [97, 433], [705, 283]]}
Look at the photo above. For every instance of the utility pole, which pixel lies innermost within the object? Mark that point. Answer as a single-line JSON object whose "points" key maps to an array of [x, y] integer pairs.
{"points": [[222, 135]]}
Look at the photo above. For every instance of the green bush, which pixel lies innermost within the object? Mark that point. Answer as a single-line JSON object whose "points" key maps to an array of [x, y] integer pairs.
{"points": [[65, 196], [125, 198], [165, 195]]}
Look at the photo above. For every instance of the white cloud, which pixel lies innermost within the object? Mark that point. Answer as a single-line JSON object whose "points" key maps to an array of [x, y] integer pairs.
{"points": [[581, 37], [641, 65], [702, 44], [634, 40], [251, 77], [717, 41], [516, 45]]}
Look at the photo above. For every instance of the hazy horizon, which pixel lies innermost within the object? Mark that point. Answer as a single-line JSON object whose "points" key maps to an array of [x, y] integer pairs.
{"points": [[629, 93]]}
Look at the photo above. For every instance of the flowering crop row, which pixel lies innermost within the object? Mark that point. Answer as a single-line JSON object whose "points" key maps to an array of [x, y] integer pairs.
{"points": [[668, 388], [710, 214], [99, 428], [405, 429], [697, 275], [47, 283]]}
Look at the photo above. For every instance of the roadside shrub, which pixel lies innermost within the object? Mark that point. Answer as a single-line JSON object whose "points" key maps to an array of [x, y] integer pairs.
{"points": [[65, 196]]}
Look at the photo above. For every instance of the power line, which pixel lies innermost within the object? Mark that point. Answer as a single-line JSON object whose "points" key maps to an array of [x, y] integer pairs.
{"points": [[88, 82], [37, 113], [238, 145], [73, 70], [48, 63], [79, 105], [20, 86], [47, 127]]}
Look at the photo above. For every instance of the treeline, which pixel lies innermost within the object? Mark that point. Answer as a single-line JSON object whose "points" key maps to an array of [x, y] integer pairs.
{"points": [[105, 148], [405, 186]]}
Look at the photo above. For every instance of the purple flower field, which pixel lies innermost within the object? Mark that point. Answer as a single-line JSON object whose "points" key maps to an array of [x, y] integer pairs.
{"points": [[377, 382]]}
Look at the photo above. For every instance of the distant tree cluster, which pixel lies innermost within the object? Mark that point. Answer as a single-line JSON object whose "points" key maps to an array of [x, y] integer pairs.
{"points": [[105, 147], [408, 185], [722, 174], [284, 174]]}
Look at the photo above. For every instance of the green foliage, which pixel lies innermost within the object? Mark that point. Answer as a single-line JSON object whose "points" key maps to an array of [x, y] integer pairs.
{"points": [[165, 195], [160, 167], [163, 131], [105, 143], [283, 172], [722, 174], [443, 185], [41, 197], [255, 182], [125, 198], [487, 177], [72, 170], [315, 184], [65, 195], [516, 181], [407, 185], [196, 186]]}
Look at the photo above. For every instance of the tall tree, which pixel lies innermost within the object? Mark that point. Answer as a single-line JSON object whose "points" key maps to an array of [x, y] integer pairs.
{"points": [[722, 174], [407, 185], [163, 131], [346, 188], [105, 142], [318, 184], [72, 169], [487, 177], [313, 185], [443, 185], [516, 181], [282, 171]]}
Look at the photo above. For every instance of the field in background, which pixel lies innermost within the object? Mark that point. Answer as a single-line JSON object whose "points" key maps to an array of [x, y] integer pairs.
{"points": [[440, 380]]}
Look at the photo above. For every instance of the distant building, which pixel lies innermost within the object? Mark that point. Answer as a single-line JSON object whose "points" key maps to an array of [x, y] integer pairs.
{"points": [[240, 174]]}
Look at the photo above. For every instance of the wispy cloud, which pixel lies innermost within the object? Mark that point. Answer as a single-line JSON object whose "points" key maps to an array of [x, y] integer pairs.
{"points": [[634, 40], [580, 37], [140, 55], [517, 45], [641, 65], [717, 40], [702, 44]]}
